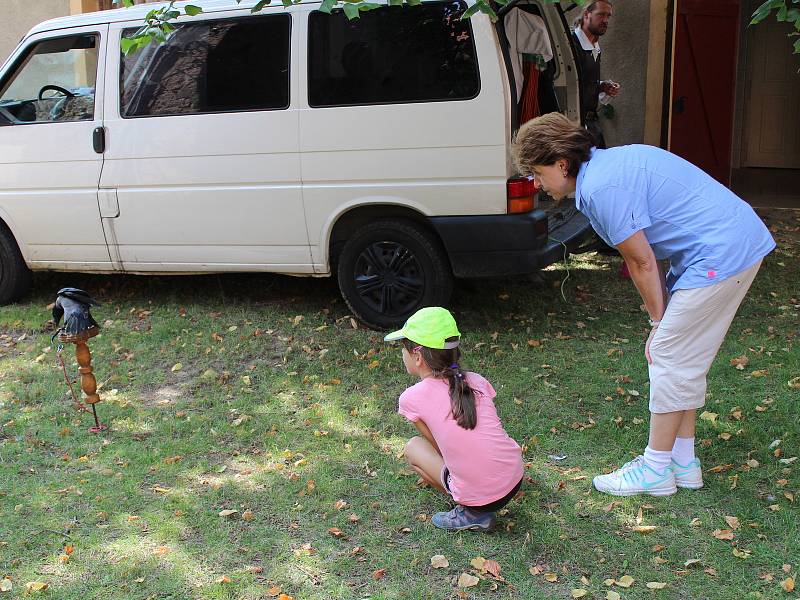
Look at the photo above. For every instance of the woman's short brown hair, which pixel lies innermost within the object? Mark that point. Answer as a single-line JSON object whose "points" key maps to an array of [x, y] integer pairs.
{"points": [[551, 137]]}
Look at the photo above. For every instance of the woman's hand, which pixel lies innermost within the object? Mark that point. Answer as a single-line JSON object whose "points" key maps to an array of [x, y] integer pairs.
{"points": [[647, 345]]}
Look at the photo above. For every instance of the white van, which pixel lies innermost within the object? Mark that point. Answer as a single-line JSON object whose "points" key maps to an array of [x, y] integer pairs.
{"points": [[290, 140]]}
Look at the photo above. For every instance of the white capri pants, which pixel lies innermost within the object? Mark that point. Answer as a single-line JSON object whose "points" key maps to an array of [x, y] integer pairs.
{"points": [[688, 339]]}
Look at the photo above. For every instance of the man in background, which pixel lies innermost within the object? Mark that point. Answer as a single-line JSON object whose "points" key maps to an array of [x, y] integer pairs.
{"points": [[591, 25]]}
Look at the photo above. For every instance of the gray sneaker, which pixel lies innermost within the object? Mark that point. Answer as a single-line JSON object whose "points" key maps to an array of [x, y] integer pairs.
{"points": [[690, 476], [461, 518]]}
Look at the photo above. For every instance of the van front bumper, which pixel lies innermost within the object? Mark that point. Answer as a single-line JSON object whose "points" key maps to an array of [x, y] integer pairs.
{"points": [[503, 245]]}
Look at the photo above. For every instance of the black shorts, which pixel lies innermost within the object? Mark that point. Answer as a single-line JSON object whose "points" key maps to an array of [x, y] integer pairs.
{"points": [[492, 506]]}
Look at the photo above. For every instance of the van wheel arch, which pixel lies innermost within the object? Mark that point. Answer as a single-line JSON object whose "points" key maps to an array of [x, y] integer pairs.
{"points": [[15, 276], [389, 267]]}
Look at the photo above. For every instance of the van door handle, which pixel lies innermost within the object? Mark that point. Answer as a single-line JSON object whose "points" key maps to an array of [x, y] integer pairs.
{"points": [[99, 139]]}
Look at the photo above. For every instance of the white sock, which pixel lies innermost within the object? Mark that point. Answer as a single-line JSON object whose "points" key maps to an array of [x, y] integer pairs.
{"points": [[658, 460], [683, 451]]}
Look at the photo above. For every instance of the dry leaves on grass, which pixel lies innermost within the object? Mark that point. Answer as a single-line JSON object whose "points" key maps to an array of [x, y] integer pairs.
{"points": [[486, 566], [466, 580], [723, 534], [438, 561]]}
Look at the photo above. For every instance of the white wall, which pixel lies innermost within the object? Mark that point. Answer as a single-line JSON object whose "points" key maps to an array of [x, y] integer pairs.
{"points": [[18, 16]]}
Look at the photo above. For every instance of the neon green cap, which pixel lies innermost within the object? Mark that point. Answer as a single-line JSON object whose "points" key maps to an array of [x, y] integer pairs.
{"points": [[429, 327]]}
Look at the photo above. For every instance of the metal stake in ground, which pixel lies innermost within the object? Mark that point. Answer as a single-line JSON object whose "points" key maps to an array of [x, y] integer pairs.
{"points": [[79, 326]]}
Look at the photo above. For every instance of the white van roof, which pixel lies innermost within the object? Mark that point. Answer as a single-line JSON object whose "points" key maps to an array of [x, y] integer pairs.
{"points": [[138, 12]]}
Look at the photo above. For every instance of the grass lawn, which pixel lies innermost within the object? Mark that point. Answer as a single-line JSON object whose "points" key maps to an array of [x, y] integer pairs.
{"points": [[260, 395]]}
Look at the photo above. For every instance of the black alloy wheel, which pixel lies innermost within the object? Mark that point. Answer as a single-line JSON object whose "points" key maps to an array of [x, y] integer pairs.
{"points": [[389, 269]]}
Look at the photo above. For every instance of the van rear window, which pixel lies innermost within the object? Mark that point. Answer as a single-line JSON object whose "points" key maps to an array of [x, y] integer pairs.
{"points": [[392, 54], [209, 67]]}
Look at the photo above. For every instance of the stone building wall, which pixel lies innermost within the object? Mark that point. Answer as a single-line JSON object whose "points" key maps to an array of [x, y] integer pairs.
{"points": [[20, 15]]}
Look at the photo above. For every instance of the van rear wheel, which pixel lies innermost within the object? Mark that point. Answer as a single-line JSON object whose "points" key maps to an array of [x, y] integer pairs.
{"points": [[15, 277], [389, 269]]}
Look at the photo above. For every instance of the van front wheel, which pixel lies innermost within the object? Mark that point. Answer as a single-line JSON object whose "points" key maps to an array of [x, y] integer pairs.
{"points": [[389, 269], [15, 277]]}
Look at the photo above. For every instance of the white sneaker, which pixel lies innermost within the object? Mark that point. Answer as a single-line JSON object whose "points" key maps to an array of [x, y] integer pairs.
{"points": [[689, 476], [636, 477]]}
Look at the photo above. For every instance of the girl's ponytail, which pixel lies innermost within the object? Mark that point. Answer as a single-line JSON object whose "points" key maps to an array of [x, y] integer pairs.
{"points": [[462, 398]]}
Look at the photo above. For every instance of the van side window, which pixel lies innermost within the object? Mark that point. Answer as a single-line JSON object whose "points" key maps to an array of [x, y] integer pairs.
{"points": [[392, 54], [54, 81], [210, 67]]}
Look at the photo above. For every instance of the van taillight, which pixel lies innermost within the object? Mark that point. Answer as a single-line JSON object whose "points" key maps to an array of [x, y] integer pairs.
{"points": [[522, 194]]}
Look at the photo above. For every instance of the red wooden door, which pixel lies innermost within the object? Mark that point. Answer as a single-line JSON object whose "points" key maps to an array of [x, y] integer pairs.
{"points": [[703, 84]]}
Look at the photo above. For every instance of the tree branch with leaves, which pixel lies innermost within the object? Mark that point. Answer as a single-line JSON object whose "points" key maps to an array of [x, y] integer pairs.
{"points": [[786, 11]]}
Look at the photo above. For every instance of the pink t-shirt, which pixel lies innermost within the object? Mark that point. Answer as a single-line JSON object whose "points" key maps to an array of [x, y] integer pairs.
{"points": [[485, 463]]}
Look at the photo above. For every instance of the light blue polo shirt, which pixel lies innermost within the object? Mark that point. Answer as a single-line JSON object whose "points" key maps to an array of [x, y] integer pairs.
{"points": [[705, 231]]}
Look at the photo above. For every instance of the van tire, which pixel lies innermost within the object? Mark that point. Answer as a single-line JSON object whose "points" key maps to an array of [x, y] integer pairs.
{"points": [[395, 290], [15, 277]]}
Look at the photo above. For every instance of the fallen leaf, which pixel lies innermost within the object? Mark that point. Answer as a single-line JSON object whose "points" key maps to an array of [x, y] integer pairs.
{"points": [[466, 580], [36, 586], [787, 585], [228, 512], [740, 362], [612, 595], [733, 522], [336, 532], [176, 367], [760, 373], [741, 553], [551, 577], [285, 597], [492, 567], [535, 570], [478, 563], [645, 529], [656, 585], [611, 506], [378, 574], [161, 551], [692, 562], [340, 504], [724, 436], [708, 416], [438, 561], [579, 593], [625, 581], [723, 534], [609, 582], [274, 591], [223, 579], [6, 585], [247, 515]]}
